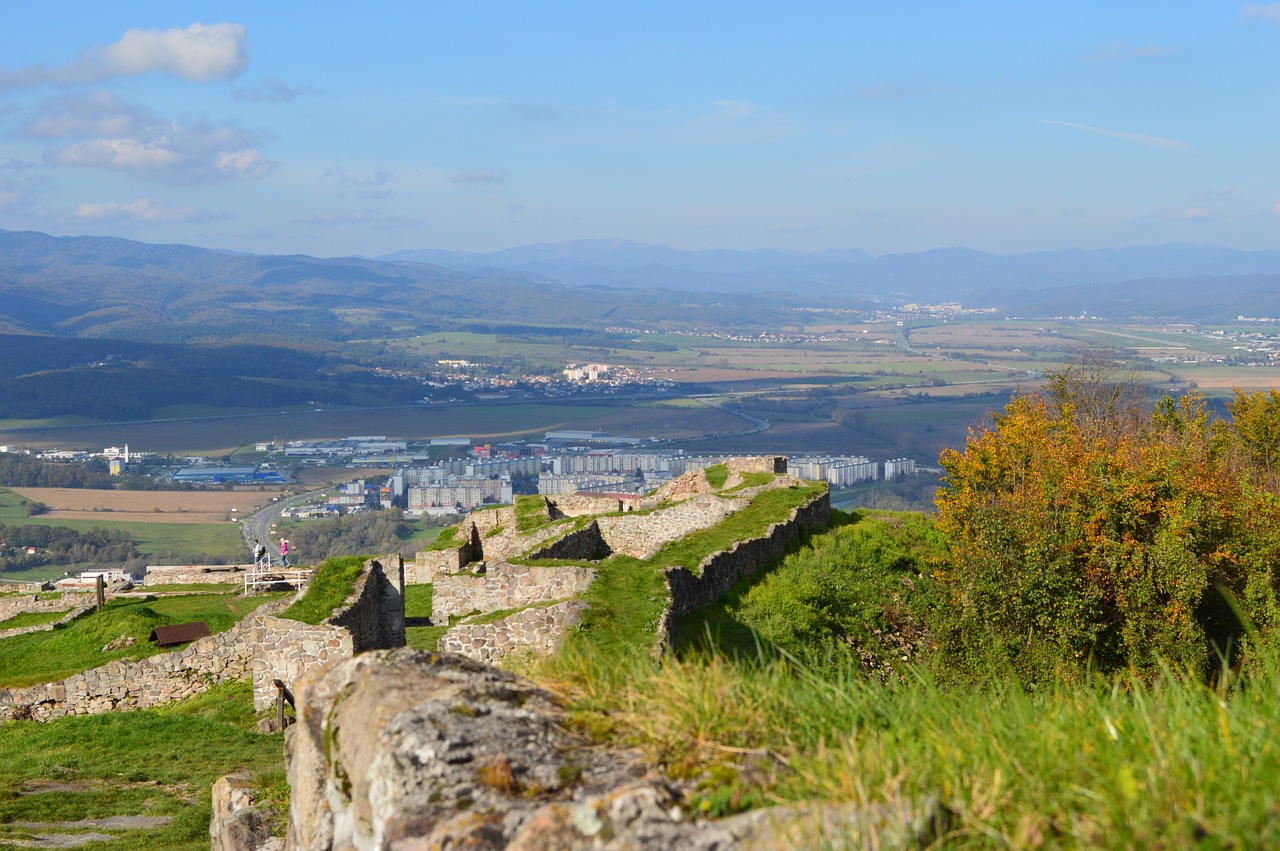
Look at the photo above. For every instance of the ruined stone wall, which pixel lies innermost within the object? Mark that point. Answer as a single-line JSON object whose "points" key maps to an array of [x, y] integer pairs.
{"points": [[642, 535], [375, 614], [195, 574], [122, 685], [585, 544], [486, 520], [262, 645], [718, 572], [72, 614], [776, 464], [578, 504], [286, 649], [428, 564], [371, 619], [539, 630], [505, 586], [28, 604]]}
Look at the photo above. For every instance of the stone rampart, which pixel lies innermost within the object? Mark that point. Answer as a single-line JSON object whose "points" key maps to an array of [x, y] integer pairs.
{"points": [[195, 574], [286, 649], [718, 572], [539, 630], [118, 686], [67, 618], [578, 504], [642, 535], [372, 618], [262, 645], [585, 544], [488, 520], [505, 586], [29, 604]]}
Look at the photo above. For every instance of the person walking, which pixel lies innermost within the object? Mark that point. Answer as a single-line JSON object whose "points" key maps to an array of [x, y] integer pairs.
{"points": [[259, 553], [284, 552]]}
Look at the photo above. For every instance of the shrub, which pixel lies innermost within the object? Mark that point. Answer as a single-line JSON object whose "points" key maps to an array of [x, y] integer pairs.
{"points": [[1087, 531]]}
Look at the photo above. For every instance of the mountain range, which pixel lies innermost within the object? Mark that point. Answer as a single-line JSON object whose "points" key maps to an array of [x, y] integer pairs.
{"points": [[78, 286], [950, 274]]}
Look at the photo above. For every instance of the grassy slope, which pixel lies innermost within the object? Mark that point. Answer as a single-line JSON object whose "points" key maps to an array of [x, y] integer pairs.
{"points": [[56, 654], [155, 762], [1124, 764], [332, 583]]}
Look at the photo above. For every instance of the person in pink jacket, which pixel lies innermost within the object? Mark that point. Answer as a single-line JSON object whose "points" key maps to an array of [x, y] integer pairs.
{"points": [[284, 552]]}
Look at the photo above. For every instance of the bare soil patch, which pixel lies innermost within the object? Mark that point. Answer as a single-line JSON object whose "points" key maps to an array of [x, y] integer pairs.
{"points": [[146, 506]]}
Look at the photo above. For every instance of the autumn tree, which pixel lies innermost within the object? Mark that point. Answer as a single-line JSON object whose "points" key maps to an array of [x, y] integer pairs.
{"points": [[1088, 528]]}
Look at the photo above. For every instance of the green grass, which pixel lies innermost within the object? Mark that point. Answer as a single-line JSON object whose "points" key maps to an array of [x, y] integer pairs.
{"points": [[332, 583], [717, 475], [30, 619], [39, 657], [446, 540], [531, 513], [1138, 764], [193, 588], [417, 604], [627, 598], [155, 762]]}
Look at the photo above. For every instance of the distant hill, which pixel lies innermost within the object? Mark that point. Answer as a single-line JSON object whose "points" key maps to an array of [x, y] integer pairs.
{"points": [[105, 287], [943, 274], [116, 288]]}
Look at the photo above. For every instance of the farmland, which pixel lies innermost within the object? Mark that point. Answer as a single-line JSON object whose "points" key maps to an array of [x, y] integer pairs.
{"points": [[185, 507], [824, 384]]}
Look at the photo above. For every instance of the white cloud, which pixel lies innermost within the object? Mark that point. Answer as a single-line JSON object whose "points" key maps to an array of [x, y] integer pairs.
{"points": [[1136, 138], [97, 129], [1261, 11], [140, 210], [201, 53], [1276, 208], [478, 175], [1195, 213]]}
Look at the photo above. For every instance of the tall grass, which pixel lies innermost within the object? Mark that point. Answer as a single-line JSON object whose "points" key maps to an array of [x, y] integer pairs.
{"points": [[1131, 763]]}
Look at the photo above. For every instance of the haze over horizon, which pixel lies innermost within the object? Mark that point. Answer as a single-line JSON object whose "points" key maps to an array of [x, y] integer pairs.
{"points": [[1007, 129]]}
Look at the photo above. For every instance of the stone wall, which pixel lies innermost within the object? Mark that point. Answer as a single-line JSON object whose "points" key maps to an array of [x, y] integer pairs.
{"points": [[122, 685], [718, 572], [286, 649], [413, 750], [72, 614], [262, 645], [642, 535], [578, 504], [585, 544], [195, 574], [28, 604], [539, 630], [505, 586], [372, 618]]}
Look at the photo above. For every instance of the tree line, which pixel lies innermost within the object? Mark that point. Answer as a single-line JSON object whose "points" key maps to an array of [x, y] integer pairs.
{"points": [[60, 545]]}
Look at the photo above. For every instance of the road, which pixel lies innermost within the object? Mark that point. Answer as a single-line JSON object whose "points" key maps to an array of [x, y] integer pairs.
{"points": [[258, 524]]}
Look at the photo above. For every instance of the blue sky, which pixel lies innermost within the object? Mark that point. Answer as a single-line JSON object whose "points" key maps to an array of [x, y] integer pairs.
{"points": [[891, 127]]}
